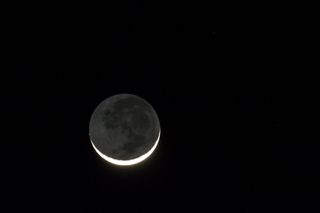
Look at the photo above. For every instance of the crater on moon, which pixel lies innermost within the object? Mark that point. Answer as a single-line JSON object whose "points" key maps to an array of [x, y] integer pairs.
{"points": [[124, 127]]}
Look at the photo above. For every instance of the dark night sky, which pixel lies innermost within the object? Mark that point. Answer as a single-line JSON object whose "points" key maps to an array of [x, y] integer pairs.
{"points": [[234, 131]]}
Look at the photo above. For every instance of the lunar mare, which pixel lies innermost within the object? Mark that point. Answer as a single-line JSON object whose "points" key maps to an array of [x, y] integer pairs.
{"points": [[124, 129]]}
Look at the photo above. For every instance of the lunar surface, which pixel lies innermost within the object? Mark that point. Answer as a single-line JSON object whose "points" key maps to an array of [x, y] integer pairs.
{"points": [[124, 129]]}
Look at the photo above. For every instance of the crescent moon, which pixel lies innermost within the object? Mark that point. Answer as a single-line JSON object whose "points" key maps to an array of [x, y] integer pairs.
{"points": [[127, 162], [124, 129]]}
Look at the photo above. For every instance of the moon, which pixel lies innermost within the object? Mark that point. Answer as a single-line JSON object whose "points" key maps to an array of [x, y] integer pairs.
{"points": [[124, 129]]}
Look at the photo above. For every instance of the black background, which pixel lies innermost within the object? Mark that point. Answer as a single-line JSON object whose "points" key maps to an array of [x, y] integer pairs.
{"points": [[233, 115]]}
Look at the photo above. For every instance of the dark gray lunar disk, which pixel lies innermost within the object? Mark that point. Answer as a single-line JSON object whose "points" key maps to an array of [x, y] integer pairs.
{"points": [[124, 129]]}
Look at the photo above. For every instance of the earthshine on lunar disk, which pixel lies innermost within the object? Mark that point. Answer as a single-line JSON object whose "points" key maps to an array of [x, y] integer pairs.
{"points": [[124, 129]]}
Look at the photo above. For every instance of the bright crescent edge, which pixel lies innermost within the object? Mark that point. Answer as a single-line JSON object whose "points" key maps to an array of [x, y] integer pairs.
{"points": [[127, 162]]}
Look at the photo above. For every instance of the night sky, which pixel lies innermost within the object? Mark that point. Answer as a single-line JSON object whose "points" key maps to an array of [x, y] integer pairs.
{"points": [[234, 135]]}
